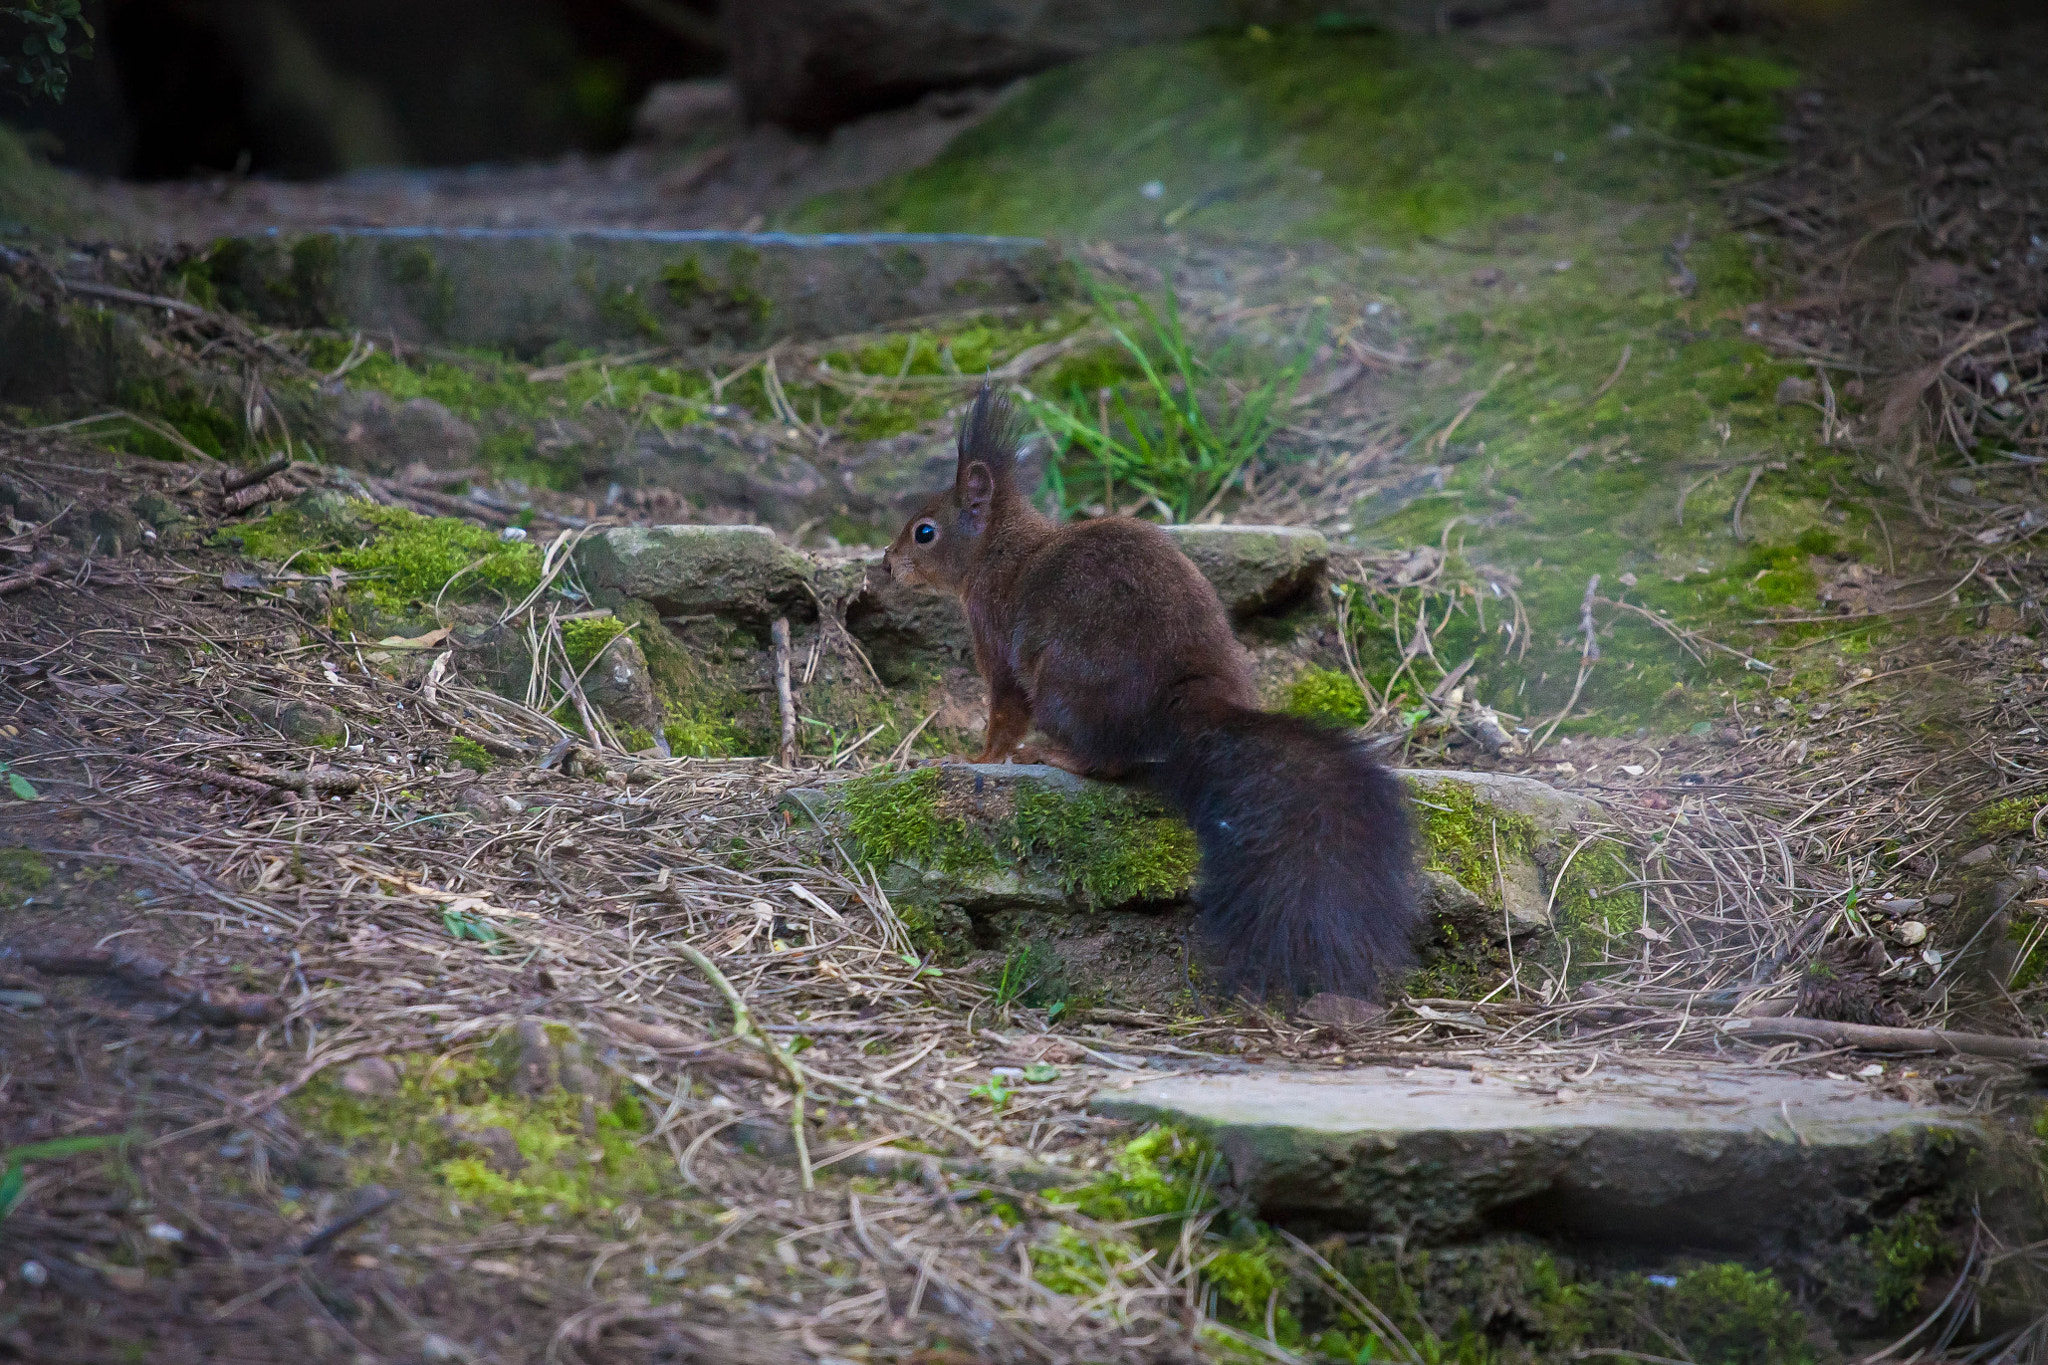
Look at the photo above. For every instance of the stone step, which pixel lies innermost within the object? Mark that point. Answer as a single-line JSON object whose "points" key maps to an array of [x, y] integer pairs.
{"points": [[1098, 874], [521, 290], [1706, 1157]]}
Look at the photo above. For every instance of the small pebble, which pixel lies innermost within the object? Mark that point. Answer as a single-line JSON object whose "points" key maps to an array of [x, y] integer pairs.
{"points": [[165, 1232], [33, 1275], [1152, 189]]}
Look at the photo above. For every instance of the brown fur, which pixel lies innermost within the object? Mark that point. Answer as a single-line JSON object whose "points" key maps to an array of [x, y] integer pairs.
{"points": [[1106, 637]]}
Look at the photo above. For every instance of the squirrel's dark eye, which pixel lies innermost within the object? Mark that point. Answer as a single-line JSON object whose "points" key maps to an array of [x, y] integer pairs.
{"points": [[925, 533]]}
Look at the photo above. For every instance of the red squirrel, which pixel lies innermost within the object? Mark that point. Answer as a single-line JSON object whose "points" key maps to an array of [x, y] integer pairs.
{"points": [[1107, 637]]}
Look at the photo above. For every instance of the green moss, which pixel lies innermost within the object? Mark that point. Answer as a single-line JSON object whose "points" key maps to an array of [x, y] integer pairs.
{"points": [[1327, 695], [1153, 1183], [1725, 1313], [204, 420], [470, 754], [1104, 848], [294, 286], [1320, 133], [34, 198], [427, 289], [1511, 1300], [576, 1159], [396, 559], [2029, 937], [1725, 99], [1461, 837], [690, 285], [2014, 815], [622, 309], [1905, 1250], [586, 638], [23, 873]]}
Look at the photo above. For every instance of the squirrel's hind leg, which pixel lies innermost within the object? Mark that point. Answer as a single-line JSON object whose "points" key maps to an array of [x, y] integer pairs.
{"points": [[1009, 720]]}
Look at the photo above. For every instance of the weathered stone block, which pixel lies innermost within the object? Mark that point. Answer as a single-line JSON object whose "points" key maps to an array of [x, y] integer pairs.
{"points": [[740, 572], [1255, 568], [1712, 1158], [1100, 873], [525, 289]]}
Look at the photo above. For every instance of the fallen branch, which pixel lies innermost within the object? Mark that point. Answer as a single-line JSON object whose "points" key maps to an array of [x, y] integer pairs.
{"points": [[312, 782], [154, 976], [779, 634], [16, 582], [1874, 1038], [226, 781], [693, 1051], [118, 295], [373, 1200], [1689, 638], [236, 481], [254, 495]]}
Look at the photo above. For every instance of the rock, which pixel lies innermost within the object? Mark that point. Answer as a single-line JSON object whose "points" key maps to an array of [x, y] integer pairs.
{"points": [[618, 684], [902, 629], [1005, 855], [497, 1146], [1555, 814], [540, 1058], [370, 1076], [1713, 1157], [1442, 894], [811, 64], [685, 111], [371, 430], [524, 290], [1255, 568], [739, 572]]}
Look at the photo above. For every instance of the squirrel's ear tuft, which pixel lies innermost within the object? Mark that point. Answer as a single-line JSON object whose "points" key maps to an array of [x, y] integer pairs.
{"points": [[988, 437], [975, 490]]}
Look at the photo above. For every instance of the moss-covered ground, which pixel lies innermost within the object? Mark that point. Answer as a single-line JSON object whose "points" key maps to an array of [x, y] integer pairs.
{"points": [[1546, 232], [1101, 846], [397, 562], [1506, 1300]]}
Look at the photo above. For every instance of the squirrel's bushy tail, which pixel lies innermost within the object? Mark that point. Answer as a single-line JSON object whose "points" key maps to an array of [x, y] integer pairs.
{"points": [[1306, 883]]}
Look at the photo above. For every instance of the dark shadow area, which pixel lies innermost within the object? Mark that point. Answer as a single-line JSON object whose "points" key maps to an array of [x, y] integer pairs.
{"points": [[296, 90]]}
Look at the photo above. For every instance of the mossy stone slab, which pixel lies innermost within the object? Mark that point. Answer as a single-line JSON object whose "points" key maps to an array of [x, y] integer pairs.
{"points": [[987, 794], [1100, 874], [739, 572], [1711, 1157], [524, 290], [1254, 568]]}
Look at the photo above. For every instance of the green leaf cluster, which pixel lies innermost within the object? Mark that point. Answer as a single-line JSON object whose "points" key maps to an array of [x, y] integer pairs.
{"points": [[52, 33]]}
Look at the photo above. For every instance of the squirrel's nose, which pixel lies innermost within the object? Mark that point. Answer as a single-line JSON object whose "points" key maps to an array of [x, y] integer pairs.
{"points": [[886, 570]]}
